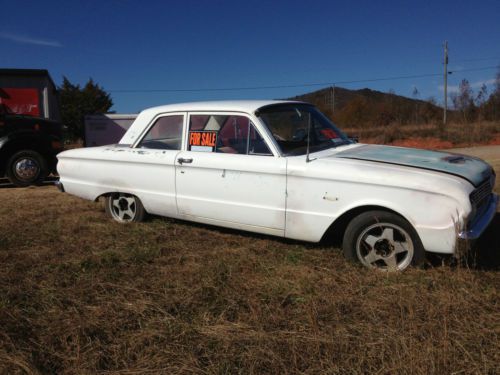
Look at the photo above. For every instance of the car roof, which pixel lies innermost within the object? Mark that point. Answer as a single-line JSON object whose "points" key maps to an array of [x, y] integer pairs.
{"points": [[245, 106], [218, 105]]}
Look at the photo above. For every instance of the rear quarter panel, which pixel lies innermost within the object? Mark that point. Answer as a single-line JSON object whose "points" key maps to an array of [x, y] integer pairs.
{"points": [[150, 175]]}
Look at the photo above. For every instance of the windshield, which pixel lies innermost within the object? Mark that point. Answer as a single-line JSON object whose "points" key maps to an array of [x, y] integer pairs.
{"points": [[291, 123]]}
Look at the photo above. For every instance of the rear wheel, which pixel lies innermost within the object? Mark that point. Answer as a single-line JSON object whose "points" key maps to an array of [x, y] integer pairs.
{"points": [[383, 240], [26, 168], [124, 208]]}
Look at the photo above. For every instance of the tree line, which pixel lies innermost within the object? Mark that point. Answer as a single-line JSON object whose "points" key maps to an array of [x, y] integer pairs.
{"points": [[347, 108], [478, 106], [369, 108], [77, 101]]}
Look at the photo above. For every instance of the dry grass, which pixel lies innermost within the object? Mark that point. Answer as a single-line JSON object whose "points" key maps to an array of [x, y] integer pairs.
{"points": [[82, 294]]}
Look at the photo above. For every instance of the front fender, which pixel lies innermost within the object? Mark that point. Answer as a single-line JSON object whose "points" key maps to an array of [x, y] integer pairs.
{"points": [[313, 206], [437, 219]]}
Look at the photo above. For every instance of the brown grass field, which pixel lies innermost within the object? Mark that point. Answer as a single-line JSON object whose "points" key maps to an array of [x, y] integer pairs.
{"points": [[430, 135], [80, 294]]}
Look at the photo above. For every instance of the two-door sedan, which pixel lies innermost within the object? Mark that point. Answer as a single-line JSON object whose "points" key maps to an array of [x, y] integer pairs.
{"points": [[282, 168]]}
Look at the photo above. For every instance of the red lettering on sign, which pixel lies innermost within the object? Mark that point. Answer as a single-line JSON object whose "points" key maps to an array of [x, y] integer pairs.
{"points": [[194, 139], [206, 138]]}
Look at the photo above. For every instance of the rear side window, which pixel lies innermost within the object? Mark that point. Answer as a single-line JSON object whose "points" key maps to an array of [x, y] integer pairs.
{"points": [[165, 134], [229, 134]]}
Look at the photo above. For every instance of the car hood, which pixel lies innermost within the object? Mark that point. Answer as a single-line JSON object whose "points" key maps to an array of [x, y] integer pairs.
{"points": [[472, 169]]}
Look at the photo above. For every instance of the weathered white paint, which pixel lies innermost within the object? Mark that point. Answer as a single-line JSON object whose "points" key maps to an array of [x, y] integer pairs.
{"points": [[245, 189], [283, 196]]}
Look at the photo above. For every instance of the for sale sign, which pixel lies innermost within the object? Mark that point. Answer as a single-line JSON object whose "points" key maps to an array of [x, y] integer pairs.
{"points": [[204, 141]]}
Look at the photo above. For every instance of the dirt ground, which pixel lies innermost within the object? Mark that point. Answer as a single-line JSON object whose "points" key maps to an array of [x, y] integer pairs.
{"points": [[489, 153], [438, 144], [80, 294]]}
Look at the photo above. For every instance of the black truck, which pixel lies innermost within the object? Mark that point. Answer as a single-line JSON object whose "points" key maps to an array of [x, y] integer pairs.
{"points": [[30, 127]]}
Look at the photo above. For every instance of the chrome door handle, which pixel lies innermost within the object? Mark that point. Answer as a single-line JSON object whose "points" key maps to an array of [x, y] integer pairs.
{"points": [[182, 161]]}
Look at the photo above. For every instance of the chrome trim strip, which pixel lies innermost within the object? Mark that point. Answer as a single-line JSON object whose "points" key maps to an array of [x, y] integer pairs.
{"points": [[479, 224]]}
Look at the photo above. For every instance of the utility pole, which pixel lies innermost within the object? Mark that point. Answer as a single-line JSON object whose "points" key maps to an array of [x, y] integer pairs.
{"points": [[445, 82], [332, 90]]}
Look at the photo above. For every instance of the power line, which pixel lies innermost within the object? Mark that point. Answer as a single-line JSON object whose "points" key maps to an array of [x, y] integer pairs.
{"points": [[475, 69], [248, 88], [477, 59]]}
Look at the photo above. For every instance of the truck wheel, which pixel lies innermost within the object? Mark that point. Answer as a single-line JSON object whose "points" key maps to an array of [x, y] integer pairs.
{"points": [[382, 240], [26, 168], [124, 208]]}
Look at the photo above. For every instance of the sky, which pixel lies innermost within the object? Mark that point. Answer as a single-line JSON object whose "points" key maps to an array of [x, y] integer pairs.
{"points": [[148, 53]]}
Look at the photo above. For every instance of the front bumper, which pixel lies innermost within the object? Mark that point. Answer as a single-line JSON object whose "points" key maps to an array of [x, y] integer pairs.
{"points": [[480, 223]]}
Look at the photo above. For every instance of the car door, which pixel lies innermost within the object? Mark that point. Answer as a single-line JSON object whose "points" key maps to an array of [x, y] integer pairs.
{"points": [[150, 167], [228, 176]]}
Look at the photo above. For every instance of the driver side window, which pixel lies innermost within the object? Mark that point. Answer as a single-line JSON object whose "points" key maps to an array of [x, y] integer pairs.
{"points": [[229, 134]]}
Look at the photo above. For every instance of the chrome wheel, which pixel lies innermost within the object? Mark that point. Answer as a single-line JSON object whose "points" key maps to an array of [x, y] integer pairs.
{"points": [[123, 207], [26, 169], [385, 246]]}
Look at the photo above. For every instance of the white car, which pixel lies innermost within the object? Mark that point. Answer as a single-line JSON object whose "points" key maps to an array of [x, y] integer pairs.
{"points": [[282, 168]]}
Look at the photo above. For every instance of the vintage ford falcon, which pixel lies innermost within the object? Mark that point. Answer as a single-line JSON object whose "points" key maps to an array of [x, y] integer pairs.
{"points": [[282, 168]]}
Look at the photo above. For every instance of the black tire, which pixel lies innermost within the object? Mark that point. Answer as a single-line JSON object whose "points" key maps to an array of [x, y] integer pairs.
{"points": [[124, 208], [26, 167], [382, 240]]}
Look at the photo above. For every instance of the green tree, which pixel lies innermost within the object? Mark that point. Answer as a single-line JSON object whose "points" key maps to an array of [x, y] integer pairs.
{"points": [[76, 102]]}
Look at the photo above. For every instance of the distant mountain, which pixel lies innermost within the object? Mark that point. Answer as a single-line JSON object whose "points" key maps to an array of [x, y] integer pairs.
{"points": [[365, 107]]}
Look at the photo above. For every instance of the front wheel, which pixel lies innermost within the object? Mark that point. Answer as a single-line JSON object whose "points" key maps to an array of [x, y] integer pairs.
{"points": [[384, 241], [124, 208], [26, 168]]}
